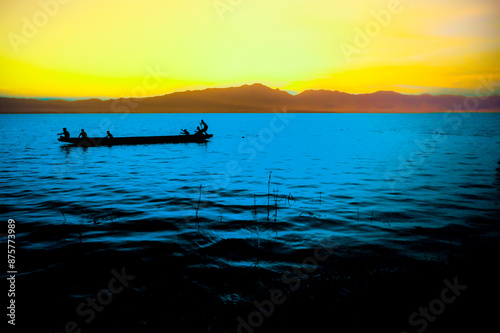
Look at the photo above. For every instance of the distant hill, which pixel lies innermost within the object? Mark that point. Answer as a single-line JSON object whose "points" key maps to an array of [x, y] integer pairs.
{"points": [[256, 98]]}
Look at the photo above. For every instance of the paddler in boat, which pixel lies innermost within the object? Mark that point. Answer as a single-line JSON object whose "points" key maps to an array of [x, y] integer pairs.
{"points": [[198, 131], [83, 134], [185, 132], [65, 133], [109, 136], [204, 127]]}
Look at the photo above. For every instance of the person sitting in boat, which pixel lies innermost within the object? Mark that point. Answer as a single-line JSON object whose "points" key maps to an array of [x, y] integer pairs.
{"points": [[83, 134], [65, 133], [185, 132], [109, 136], [198, 131], [204, 127]]}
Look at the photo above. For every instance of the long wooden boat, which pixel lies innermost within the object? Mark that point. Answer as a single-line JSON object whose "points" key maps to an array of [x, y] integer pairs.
{"points": [[137, 140]]}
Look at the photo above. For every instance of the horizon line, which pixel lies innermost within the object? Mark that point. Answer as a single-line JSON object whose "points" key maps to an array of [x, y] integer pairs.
{"points": [[101, 98]]}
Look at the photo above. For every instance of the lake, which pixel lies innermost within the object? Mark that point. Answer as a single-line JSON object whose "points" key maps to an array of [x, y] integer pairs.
{"points": [[262, 193]]}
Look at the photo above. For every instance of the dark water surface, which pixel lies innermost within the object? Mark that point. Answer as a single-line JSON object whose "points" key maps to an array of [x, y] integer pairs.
{"points": [[413, 184]]}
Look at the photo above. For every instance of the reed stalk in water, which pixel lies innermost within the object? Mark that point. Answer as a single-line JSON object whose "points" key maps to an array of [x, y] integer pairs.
{"points": [[254, 207], [199, 201], [268, 193], [276, 197]]}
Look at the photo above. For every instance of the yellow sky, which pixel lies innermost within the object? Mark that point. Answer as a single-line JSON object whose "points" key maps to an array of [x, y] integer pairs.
{"points": [[112, 48]]}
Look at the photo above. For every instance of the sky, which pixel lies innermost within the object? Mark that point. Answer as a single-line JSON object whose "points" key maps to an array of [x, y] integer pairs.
{"points": [[130, 48]]}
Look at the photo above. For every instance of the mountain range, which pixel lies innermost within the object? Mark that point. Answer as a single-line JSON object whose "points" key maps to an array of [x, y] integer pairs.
{"points": [[259, 98]]}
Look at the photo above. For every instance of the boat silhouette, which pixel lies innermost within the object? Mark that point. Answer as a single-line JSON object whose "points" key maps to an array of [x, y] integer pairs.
{"points": [[136, 140]]}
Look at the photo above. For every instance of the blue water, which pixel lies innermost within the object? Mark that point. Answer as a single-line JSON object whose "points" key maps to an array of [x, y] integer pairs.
{"points": [[364, 178]]}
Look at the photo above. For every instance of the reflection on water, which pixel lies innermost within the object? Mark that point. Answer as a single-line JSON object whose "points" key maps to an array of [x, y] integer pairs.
{"points": [[209, 229], [334, 166]]}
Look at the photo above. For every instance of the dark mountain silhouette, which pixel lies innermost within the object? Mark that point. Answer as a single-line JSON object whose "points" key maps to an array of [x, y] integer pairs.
{"points": [[259, 98]]}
